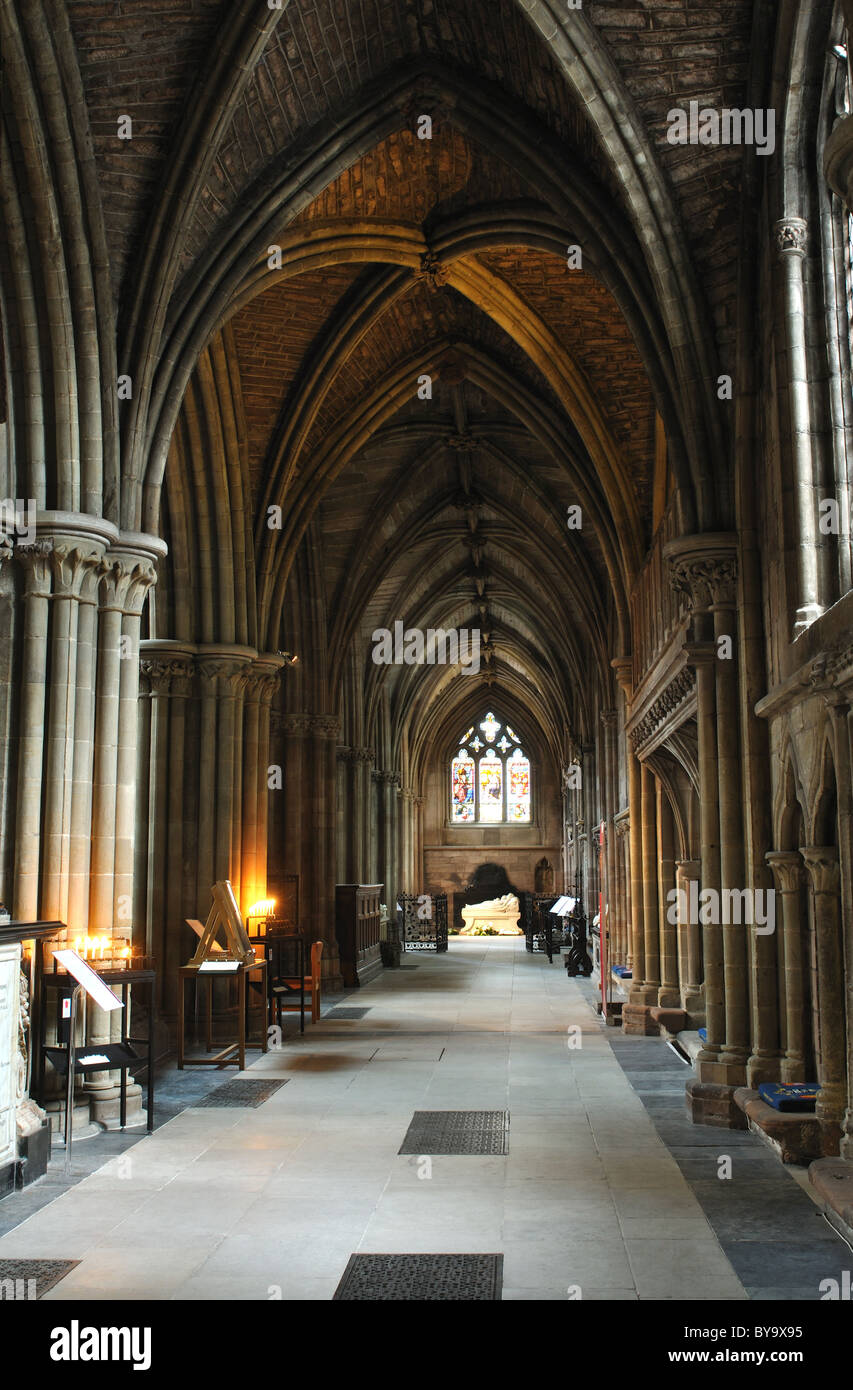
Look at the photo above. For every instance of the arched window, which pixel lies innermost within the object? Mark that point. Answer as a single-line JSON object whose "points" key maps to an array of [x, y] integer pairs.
{"points": [[490, 777]]}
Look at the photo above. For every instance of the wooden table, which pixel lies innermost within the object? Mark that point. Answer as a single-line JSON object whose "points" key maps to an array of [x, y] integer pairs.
{"points": [[226, 1056]]}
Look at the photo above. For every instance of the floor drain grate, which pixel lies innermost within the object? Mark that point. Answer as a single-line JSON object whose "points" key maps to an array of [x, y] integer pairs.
{"points": [[345, 1011], [457, 1132], [21, 1281], [421, 1278], [240, 1091]]}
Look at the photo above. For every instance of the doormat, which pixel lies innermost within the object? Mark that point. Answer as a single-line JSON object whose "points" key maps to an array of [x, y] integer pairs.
{"points": [[345, 1011], [421, 1278], [241, 1091], [457, 1132], [21, 1281]]}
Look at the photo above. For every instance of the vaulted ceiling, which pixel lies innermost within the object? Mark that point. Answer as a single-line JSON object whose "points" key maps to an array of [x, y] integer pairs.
{"points": [[553, 385]]}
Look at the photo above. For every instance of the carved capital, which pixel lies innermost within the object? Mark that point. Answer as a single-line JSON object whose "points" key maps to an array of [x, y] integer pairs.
{"points": [[791, 235], [787, 868], [823, 867], [608, 718], [343, 753], [35, 559], [125, 581], [624, 668], [324, 725], [294, 725], [166, 675], [72, 565], [705, 569]]}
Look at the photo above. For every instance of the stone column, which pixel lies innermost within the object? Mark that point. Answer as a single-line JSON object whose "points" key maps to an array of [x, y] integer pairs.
{"points": [[608, 810], [791, 239], [650, 885], [623, 908], [267, 675], [688, 871], [590, 837], [166, 668], [138, 556], [35, 560], [788, 872], [84, 751], [361, 760], [407, 872], [125, 580], [222, 668], [638, 932], [388, 782], [822, 864], [669, 994], [723, 584], [294, 727], [418, 857], [635, 930], [343, 814], [261, 682], [696, 565], [324, 731], [8, 710]]}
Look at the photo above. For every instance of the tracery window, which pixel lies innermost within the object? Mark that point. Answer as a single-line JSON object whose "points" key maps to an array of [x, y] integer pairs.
{"points": [[490, 777]]}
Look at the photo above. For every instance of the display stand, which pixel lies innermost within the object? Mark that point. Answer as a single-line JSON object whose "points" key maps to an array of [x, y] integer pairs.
{"points": [[235, 960], [68, 985]]}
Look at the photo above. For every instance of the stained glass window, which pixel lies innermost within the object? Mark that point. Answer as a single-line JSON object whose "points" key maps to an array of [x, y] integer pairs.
{"points": [[462, 799], [490, 727], [490, 787], [518, 788]]}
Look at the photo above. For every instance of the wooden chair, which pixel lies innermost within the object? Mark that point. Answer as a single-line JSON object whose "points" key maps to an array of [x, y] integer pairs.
{"points": [[312, 985]]}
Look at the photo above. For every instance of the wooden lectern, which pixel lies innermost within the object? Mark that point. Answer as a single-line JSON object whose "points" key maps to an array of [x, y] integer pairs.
{"points": [[237, 958]]}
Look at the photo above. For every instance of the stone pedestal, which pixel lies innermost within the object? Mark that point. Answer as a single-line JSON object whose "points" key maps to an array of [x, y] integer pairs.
{"points": [[711, 1103]]}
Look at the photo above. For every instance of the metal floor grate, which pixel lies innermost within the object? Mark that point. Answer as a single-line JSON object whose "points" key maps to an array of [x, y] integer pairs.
{"points": [[21, 1281], [346, 1011], [421, 1278], [241, 1091], [457, 1132]]}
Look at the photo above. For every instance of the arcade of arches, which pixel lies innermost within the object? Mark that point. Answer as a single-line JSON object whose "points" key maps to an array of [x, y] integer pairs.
{"points": [[412, 313]]}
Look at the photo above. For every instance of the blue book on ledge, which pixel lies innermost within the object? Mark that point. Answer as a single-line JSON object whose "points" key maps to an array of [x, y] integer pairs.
{"points": [[790, 1096], [703, 1034]]}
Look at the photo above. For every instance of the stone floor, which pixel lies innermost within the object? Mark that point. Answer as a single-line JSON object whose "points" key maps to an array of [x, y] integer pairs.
{"points": [[607, 1189]]}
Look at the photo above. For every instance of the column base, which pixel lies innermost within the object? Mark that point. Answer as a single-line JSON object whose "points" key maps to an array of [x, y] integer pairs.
{"points": [[644, 995], [832, 1179], [793, 1138], [792, 1069], [669, 997], [670, 1020], [716, 1069], [693, 1004], [637, 1021], [763, 1067], [714, 1104], [105, 1107]]}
